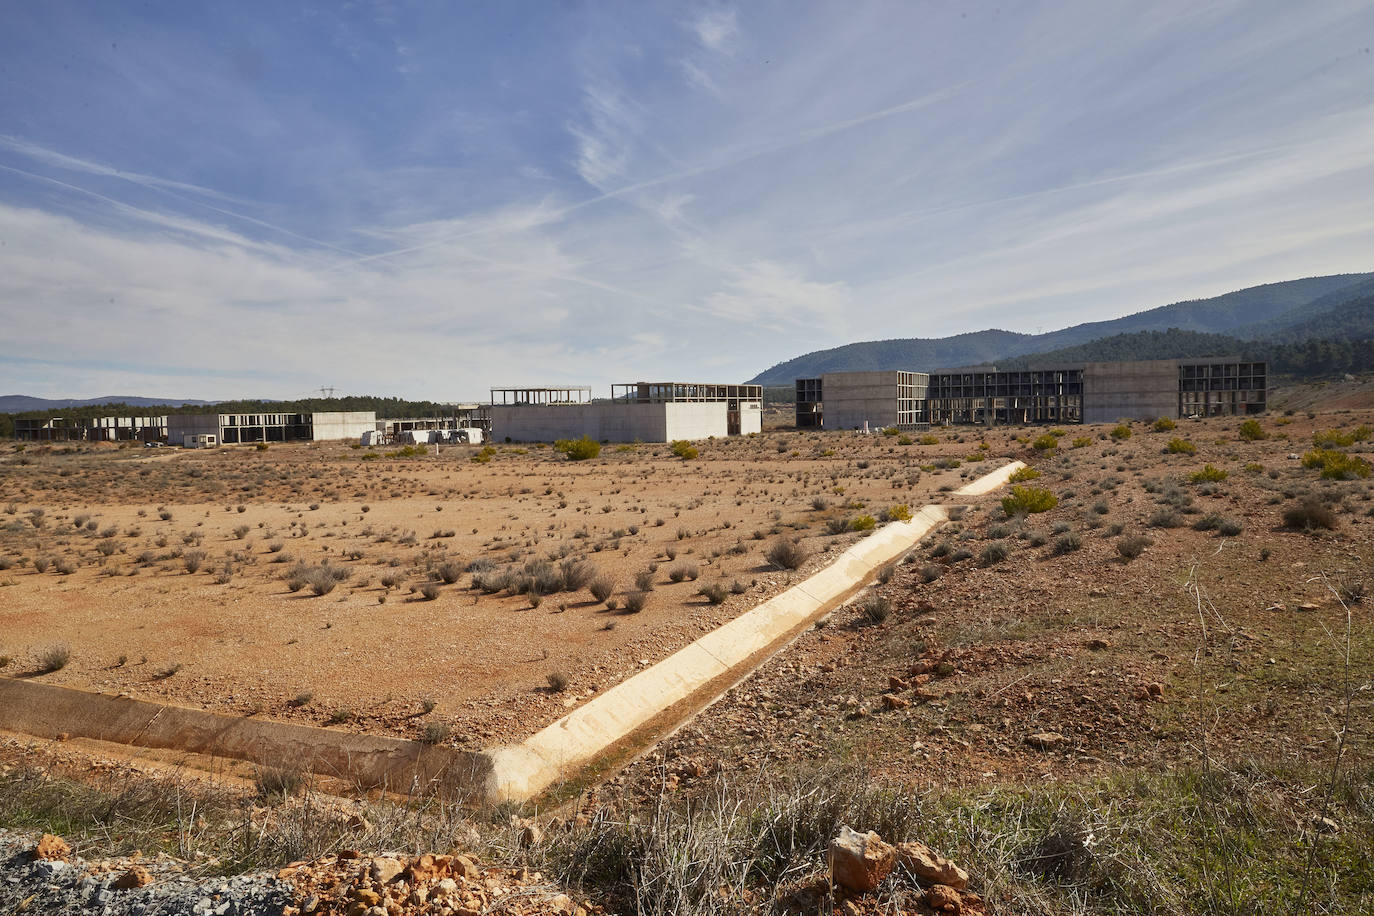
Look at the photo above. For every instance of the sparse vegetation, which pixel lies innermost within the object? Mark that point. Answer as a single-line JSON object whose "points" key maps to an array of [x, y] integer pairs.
{"points": [[1028, 501]]}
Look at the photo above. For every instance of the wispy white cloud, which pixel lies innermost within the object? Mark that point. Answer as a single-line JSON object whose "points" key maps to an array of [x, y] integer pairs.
{"points": [[646, 196], [716, 29]]}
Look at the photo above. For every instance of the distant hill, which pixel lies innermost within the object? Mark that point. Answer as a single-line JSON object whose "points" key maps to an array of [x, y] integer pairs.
{"points": [[19, 403], [1257, 312]]}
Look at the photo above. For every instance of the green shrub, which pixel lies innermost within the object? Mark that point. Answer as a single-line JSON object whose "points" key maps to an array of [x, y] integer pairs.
{"points": [[1251, 431], [578, 449], [899, 513], [862, 523], [1335, 438], [1083, 441], [1121, 432], [684, 450], [904, 440], [1028, 500], [1336, 465], [929, 439], [1021, 475], [1045, 443], [1163, 425], [1178, 446], [1208, 474]]}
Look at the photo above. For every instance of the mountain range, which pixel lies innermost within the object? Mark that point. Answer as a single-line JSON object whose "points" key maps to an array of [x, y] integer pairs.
{"points": [[1340, 306], [19, 403]]}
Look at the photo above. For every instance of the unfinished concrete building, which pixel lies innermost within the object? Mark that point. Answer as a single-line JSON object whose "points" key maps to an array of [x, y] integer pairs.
{"points": [[635, 412], [1097, 392], [234, 428], [91, 429], [981, 394], [1100, 392], [862, 400]]}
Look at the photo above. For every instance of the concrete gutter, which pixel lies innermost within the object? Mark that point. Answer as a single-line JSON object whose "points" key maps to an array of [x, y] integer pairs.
{"points": [[365, 761], [521, 771]]}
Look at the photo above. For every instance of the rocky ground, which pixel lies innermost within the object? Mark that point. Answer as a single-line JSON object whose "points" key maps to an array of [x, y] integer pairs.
{"points": [[38, 874], [1082, 709]]}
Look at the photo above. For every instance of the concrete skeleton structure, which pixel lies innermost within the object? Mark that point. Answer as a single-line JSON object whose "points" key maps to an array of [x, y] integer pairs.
{"points": [[91, 429], [638, 411], [1097, 392], [234, 428]]}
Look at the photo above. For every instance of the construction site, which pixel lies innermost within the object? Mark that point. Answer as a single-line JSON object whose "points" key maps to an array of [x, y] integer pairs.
{"points": [[982, 395]]}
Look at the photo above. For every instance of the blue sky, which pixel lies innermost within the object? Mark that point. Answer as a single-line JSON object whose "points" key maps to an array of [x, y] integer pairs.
{"points": [[425, 200]]}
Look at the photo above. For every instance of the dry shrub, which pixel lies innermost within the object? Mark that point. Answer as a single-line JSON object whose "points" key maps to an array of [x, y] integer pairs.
{"points": [[1310, 514]]}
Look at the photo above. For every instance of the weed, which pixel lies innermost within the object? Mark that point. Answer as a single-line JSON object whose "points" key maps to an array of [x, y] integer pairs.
{"points": [[53, 658]]}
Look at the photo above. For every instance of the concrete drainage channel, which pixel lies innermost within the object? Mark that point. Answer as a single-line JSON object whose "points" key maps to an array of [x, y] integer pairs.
{"points": [[654, 701]]}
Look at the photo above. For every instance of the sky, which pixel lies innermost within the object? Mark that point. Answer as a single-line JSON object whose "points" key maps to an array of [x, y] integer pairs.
{"points": [[427, 200]]}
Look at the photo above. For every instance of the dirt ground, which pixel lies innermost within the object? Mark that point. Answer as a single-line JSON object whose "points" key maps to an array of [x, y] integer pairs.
{"points": [[116, 533], [1029, 649]]}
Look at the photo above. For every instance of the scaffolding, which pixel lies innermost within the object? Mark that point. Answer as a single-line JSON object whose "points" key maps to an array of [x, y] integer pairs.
{"points": [[571, 394]]}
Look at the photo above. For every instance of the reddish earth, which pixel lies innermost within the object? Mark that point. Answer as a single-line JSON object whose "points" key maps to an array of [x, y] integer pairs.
{"points": [[367, 655]]}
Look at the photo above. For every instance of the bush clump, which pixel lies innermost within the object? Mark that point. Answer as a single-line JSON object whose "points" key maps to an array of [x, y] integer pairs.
{"points": [[1251, 431], [578, 449], [715, 593], [1021, 475], [1163, 425], [862, 523], [1335, 438], [602, 587], [1179, 446], [1028, 500], [1309, 515], [786, 554], [1067, 543], [1121, 432], [1045, 443], [1208, 474], [899, 513], [1132, 546], [994, 553], [684, 450], [1336, 465]]}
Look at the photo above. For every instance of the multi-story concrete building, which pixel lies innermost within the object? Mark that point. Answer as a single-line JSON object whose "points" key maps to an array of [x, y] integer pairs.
{"points": [[639, 411], [859, 400], [1080, 393]]}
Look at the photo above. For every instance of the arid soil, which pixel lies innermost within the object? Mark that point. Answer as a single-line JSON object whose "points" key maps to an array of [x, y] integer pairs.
{"points": [[167, 573], [1029, 648]]}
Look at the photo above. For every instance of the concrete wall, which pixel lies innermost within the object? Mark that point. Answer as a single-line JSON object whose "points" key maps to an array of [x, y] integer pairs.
{"points": [[340, 424], [1141, 389], [850, 398], [187, 424], [608, 421], [689, 420], [750, 417]]}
